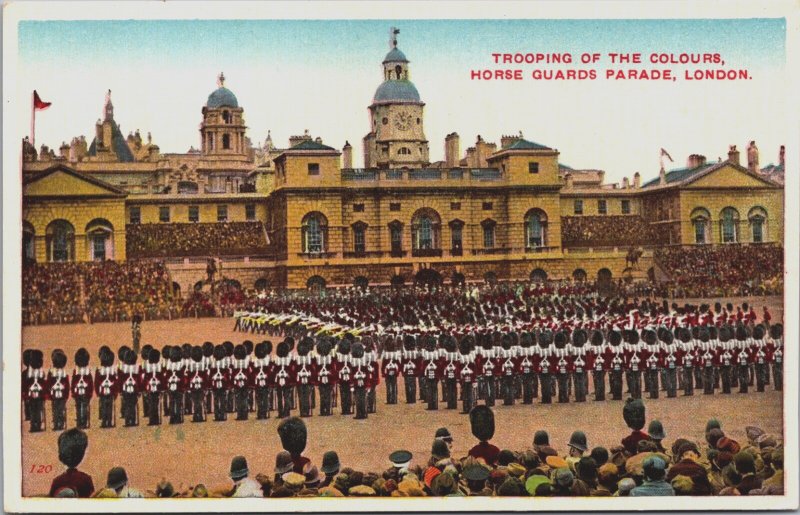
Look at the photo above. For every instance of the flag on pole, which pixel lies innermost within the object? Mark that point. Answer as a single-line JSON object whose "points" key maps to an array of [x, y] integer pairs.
{"points": [[663, 153], [38, 104]]}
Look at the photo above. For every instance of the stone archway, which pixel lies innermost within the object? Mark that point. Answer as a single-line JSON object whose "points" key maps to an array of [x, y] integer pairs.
{"points": [[538, 276], [428, 277]]}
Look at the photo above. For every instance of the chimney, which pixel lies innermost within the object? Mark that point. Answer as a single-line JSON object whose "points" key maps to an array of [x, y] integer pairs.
{"points": [[64, 150], [570, 182], [662, 177], [752, 157], [782, 157], [695, 160], [347, 155], [637, 180], [733, 155], [507, 140], [452, 149], [625, 183]]}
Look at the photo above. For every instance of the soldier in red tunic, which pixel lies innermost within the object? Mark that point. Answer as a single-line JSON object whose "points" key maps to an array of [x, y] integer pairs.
{"points": [[35, 391], [261, 378], [154, 380], [450, 372], [391, 363], [58, 389], [82, 388], [467, 373], [175, 381], [240, 381], [344, 369], [303, 364], [410, 368], [129, 385], [326, 376], [285, 376], [360, 380]]}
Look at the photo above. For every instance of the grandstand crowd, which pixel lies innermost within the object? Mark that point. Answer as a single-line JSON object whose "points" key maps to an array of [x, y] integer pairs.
{"points": [[639, 464], [195, 239], [607, 231]]}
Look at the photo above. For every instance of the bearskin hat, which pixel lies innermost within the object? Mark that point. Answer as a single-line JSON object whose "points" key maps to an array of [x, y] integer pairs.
{"points": [[122, 351], [293, 434], [59, 358], [481, 420], [685, 335], [649, 336], [703, 334], [145, 351], [283, 349], [186, 350], [248, 346], [358, 350], [239, 352], [725, 333], [776, 331], [545, 339], [72, 445], [260, 350], [430, 344], [667, 337], [106, 356], [450, 344], [197, 354], [268, 345], [486, 341], [388, 345], [409, 343], [130, 358], [615, 337], [37, 359], [597, 338], [154, 356], [166, 350], [561, 340], [759, 332], [324, 347], [713, 333], [526, 340], [305, 346], [219, 352], [634, 414], [465, 345], [175, 354], [741, 332], [632, 337], [26, 357], [579, 337], [505, 342], [717, 306], [228, 346], [82, 357], [343, 347], [208, 349]]}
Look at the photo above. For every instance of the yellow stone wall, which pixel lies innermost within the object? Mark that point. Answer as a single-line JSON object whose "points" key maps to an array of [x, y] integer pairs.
{"points": [[515, 167], [590, 204], [293, 170], [715, 200]]}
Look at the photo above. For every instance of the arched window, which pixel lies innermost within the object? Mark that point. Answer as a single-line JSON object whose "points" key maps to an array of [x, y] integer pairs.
{"points": [[535, 229], [60, 237], [758, 224], [100, 239], [579, 275], [226, 116], [315, 283], [604, 276], [425, 228], [729, 225], [28, 243], [359, 237], [701, 220], [399, 71], [538, 275], [404, 151], [261, 284], [226, 141], [315, 228]]}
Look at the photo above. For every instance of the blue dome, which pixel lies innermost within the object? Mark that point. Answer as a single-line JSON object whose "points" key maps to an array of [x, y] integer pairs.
{"points": [[395, 56], [396, 91], [222, 97]]}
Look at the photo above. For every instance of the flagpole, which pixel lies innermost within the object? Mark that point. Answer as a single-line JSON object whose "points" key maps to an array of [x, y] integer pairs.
{"points": [[33, 121]]}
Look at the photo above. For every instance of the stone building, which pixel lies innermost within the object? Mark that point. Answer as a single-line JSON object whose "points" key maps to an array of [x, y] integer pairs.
{"points": [[303, 215]]}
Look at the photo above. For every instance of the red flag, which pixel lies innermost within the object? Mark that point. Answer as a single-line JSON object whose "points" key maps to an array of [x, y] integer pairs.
{"points": [[38, 104]]}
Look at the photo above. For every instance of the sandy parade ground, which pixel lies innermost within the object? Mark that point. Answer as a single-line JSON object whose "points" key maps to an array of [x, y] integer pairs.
{"points": [[189, 453]]}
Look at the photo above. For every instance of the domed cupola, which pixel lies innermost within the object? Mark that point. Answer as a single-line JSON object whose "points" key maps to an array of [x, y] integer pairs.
{"points": [[223, 129]]}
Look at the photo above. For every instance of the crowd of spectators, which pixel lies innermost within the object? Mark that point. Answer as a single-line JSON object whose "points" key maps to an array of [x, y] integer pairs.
{"points": [[722, 270], [195, 239], [51, 293], [115, 291], [640, 464], [607, 231]]}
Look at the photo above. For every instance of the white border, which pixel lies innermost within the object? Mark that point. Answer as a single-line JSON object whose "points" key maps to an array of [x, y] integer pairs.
{"points": [[16, 107]]}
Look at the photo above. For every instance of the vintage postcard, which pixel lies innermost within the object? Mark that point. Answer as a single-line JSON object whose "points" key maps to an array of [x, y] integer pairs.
{"points": [[448, 256]]}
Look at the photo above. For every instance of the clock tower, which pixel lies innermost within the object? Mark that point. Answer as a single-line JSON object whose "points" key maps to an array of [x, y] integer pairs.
{"points": [[396, 138]]}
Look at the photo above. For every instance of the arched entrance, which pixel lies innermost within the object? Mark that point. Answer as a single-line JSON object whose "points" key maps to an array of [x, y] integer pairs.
{"points": [[100, 240], [458, 279], [361, 282], [538, 275], [232, 283], [60, 239], [428, 277], [176, 289], [316, 283], [261, 284], [28, 243], [398, 281], [490, 278], [579, 275], [604, 276]]}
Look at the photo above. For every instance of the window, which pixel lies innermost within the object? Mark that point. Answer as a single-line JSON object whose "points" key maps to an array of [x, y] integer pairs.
{"points": [[729, 220], [488, 234], [487, 206], [222, 213], [358, 208], [533, 167], [535, 228], [359, 238], [163, 214], [404, 151], [60, 241], [396, 238], [136, 215], [700, 218], [626, 207], [455, 206], [315, 226], [456, 244], [194, 213], [313, 168], [210, 141], [602, 207], [385, 121], [250, 212], [394, 206], [758, 224], [226, 141], [425, 227], [578, 206]]}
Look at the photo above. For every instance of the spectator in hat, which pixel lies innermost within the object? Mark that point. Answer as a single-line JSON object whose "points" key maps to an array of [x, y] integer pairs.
{"points": [[654, 484], [311, 473], [401, 461], [283, 464], [599, 455], [607, 477], [330, 467], [586, 472], [164, 489], [294, 481], [536, 484], [683, 485], [243, 486], [476, 476], [118, 481], [444, 434], [656, 432], [689, 466], [511, 487], [563, 479], [72, 446], [745, 465], [624, 487], [719, 460], [439, 452], [443, 485], [776, 463]]}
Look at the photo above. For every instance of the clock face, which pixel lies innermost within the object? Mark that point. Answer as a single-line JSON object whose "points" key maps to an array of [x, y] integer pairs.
{"points": [[402, 121]]}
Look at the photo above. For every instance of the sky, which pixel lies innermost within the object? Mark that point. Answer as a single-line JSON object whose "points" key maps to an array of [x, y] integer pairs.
{"points": [[320, 75]]}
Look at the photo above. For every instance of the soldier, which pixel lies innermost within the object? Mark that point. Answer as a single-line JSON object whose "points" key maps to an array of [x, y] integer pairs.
{"points": [[488, 365], [82, 388], [261, 378], [391, 361], [450, 373], [760, 356], [776, 332], [742, 358], [373, 374], [431, 370], [175, 384], [360, 380], [305, 375], [654, 363], [634, 415], [633, 366], [562, 366], [481, 420], [508, 369], [466, 372], [129, 388], [687, 350], [154, 383], [219, 377], [326, 376], [596, 362], [294, 435], [545, 339], [671, 361], [186, 362], [410, 368], [197, 384], [58, 389], [230, 401], [525, 367], [26, 362], [284, 379], [344, 369], [35, 391], [136, 330], [578, 367], [707, 360], [240, 380], [616, 365], [208, 359], [725, 357]]}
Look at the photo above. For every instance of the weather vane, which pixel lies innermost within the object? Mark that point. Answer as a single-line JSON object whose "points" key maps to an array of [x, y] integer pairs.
{"points": [[393, 32]]}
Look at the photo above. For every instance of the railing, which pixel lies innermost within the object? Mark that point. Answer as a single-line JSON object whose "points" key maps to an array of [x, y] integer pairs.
{"points": [[486, 174], [359, 174], [394, 175], [421, 174], [424, 174]]}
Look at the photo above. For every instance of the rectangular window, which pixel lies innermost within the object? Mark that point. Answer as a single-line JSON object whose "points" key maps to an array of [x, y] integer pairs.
{"points": [[396, 237], [758, 230], [455, 206], [358, 208], [533, 167], [602, 207], [136, 215], [394, 206], [487, 206], [488, 236], [578, 206], [456, 240], [222, 213], [699, 231], [359, 240], [163, 214], [194, 214], [626, 207], [250, 212], [313, 168]]}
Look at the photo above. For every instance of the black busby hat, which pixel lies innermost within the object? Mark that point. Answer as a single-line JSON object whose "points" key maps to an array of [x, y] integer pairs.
{"points": [[597, 338], [632, 337], [293, 434], [526, 340], [228, 346], [186, 350], [450, 344], [667, 337], [208, 349], [649, 337], [343, 347], [725, 333], [122, 351], [741, 332], [59, 358], [166, 350], [106, 356], [117, 478], [409, 343], [330, 462], [130, 358], [465, 345], [175, 354], [634, 414], [82, 357], [154, 356], [389, 345], [357, 351], [305, 346], [37, 359], [505, 341], [481, 420], [545, 339], [776, 331], [248, 345], [26, 357], [561, 340], [324, 347], [703, 334], [219, 352], [260, 350], [759, 332], [290, 341], [145, 351], [578, 441], [615, 337], [476, 472], [282, 350], [72, 445], [239, 352], [696, 331], [713, 333], [197, 354], [685, 335]]}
